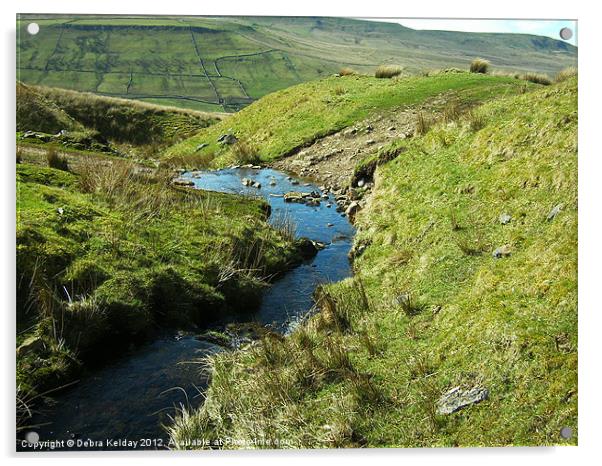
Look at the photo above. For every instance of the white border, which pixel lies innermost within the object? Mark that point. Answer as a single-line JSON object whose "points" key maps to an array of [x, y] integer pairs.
{"points": [[589, 220]]}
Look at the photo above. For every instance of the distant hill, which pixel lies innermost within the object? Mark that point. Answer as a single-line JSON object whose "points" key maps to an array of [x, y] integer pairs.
{"points": [[225, 63]]}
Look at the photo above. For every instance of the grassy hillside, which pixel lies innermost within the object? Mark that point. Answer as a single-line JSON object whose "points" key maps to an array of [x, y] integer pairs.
{"points": [[466, 276], [111, 252], [36, 112], [119, 120], [286, 120], [223, 64]]}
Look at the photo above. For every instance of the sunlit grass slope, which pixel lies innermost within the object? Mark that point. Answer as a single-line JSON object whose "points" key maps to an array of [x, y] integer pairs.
{"points": [[286, 120]]}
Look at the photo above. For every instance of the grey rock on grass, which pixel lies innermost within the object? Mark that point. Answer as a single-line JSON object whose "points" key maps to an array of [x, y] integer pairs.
{"points": [[457, 398], [554, 212], [505, 218], [227, 139], [502, 251]]}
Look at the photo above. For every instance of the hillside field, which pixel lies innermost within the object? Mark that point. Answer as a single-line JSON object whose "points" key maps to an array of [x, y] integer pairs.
{"points": [[288, 120], [225, 63]]}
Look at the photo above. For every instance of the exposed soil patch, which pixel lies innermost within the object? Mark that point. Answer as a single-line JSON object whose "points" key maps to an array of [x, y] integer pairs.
{"points": [[331, 160]]}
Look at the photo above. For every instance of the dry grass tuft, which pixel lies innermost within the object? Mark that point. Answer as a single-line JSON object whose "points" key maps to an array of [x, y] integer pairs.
{"points": [[452, 112], [347, 72], [388, 71], [244, 152], [423, 124], [285, 224], [565, 73], [476, 120], [479, 65], [124, 185], [537, 78], [56, 161]]}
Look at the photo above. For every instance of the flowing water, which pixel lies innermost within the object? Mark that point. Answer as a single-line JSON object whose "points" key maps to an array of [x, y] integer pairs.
{"points": [[130, 399]]}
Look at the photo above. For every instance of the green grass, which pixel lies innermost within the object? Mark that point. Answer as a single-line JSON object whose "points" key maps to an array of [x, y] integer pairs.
{"points": [[429, 308], [286, 120], [111, 252], [97, 54], [124, 120], [125, 127], [35, 112]]}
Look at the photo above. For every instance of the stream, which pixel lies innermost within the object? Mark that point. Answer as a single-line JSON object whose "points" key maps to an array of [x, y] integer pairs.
{"points": [[132, 398]]}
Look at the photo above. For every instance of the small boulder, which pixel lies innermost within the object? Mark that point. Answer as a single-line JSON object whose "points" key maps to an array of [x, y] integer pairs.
{"points": [[311, 199], [358, 249], [352, 208], [502, 251], [457, 398], [227, 139], [31, 344], [554, 212], [251, 183], [182, 182], [505, 218], [293, 196], [403, 299], [306, 247]]}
